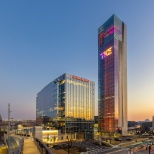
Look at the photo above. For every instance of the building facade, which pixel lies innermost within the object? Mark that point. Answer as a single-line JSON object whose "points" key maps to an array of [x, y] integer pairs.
{"points": [[67, 100], [0, 119], [112, 76], [153, 123]]}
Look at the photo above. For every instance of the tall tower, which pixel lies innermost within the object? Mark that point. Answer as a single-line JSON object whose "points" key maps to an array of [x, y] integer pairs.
{"points": [[112, 76]]}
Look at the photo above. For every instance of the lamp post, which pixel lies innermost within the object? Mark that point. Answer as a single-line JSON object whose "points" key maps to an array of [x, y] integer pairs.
{"points": [[68, 144], [9, 128], [65, 128]]}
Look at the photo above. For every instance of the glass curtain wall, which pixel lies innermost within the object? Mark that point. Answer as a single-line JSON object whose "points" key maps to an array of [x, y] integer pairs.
{"points": [[109, 35]]}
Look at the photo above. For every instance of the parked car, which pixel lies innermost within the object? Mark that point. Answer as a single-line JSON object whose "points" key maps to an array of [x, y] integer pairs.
{"points": [[128, 139], [57, 147], [118, 139]]}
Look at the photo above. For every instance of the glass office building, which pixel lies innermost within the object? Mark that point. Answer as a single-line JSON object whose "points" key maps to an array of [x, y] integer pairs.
{"points": [[68, 101], [112, 76], [67, 96]]}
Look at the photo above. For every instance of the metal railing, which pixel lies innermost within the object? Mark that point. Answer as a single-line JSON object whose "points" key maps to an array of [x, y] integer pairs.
{"points": [[18, 141], [43, 148], [20, 150]]}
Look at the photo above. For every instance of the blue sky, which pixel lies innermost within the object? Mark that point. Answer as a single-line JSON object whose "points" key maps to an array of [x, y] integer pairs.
{"points": [[40, 40]]}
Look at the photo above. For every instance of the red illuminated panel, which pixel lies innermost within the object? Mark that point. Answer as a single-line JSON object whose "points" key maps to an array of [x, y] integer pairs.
{"points": [[81, 79], [101, 37]]}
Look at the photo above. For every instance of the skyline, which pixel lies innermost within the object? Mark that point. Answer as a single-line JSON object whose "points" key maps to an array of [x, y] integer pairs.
{"points": [[40, 41]]}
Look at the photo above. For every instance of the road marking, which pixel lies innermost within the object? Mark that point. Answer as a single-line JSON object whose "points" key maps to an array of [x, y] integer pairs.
{"points": [[115, 151]]}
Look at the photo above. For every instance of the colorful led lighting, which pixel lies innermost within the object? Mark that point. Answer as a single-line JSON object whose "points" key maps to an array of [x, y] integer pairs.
{"points": [[106, 53], [108, 32]]}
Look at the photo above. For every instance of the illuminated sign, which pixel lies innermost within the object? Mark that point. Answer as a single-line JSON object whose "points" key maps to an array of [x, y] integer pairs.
{"points": [[81, 79], [106, 53], [108, 32]]}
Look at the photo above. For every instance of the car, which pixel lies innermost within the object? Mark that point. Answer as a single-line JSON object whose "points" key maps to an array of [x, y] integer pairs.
{"points": [[128, 139], [57, 147], [117, 139], [103, 143], [96, 143]]}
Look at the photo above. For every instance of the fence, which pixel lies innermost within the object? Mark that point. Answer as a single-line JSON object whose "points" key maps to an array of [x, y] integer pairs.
{"points": [[43, 148]]}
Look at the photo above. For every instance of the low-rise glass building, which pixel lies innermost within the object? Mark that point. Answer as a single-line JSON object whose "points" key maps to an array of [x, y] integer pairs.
{"points": [[67, 98]]}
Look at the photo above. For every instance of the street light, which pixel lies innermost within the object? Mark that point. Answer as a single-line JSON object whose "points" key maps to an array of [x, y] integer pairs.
{"points": [[9, 111]]}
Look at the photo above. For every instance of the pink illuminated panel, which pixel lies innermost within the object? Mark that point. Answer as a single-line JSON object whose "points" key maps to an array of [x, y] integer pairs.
{"points": [[111, 30]]}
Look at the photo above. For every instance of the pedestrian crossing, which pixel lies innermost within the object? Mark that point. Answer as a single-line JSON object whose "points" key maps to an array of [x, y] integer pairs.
{"points": [[94, 151]]}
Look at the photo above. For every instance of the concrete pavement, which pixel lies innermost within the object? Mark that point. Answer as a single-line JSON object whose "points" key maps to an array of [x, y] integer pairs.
{"points": [[30, 147]]}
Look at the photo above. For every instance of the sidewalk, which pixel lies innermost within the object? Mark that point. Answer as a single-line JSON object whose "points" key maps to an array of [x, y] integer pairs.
{"points": [[30, 147], [60, 151]]}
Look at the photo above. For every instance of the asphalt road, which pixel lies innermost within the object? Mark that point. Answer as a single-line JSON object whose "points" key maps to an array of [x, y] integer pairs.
{"points": [[139, 148]]}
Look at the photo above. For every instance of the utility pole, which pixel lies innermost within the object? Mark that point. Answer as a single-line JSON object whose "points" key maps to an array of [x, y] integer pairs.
{"points": [[9, 128]]}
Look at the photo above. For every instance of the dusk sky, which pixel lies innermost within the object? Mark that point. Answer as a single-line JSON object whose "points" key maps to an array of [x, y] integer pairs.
{"points": [[41, 40]]}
